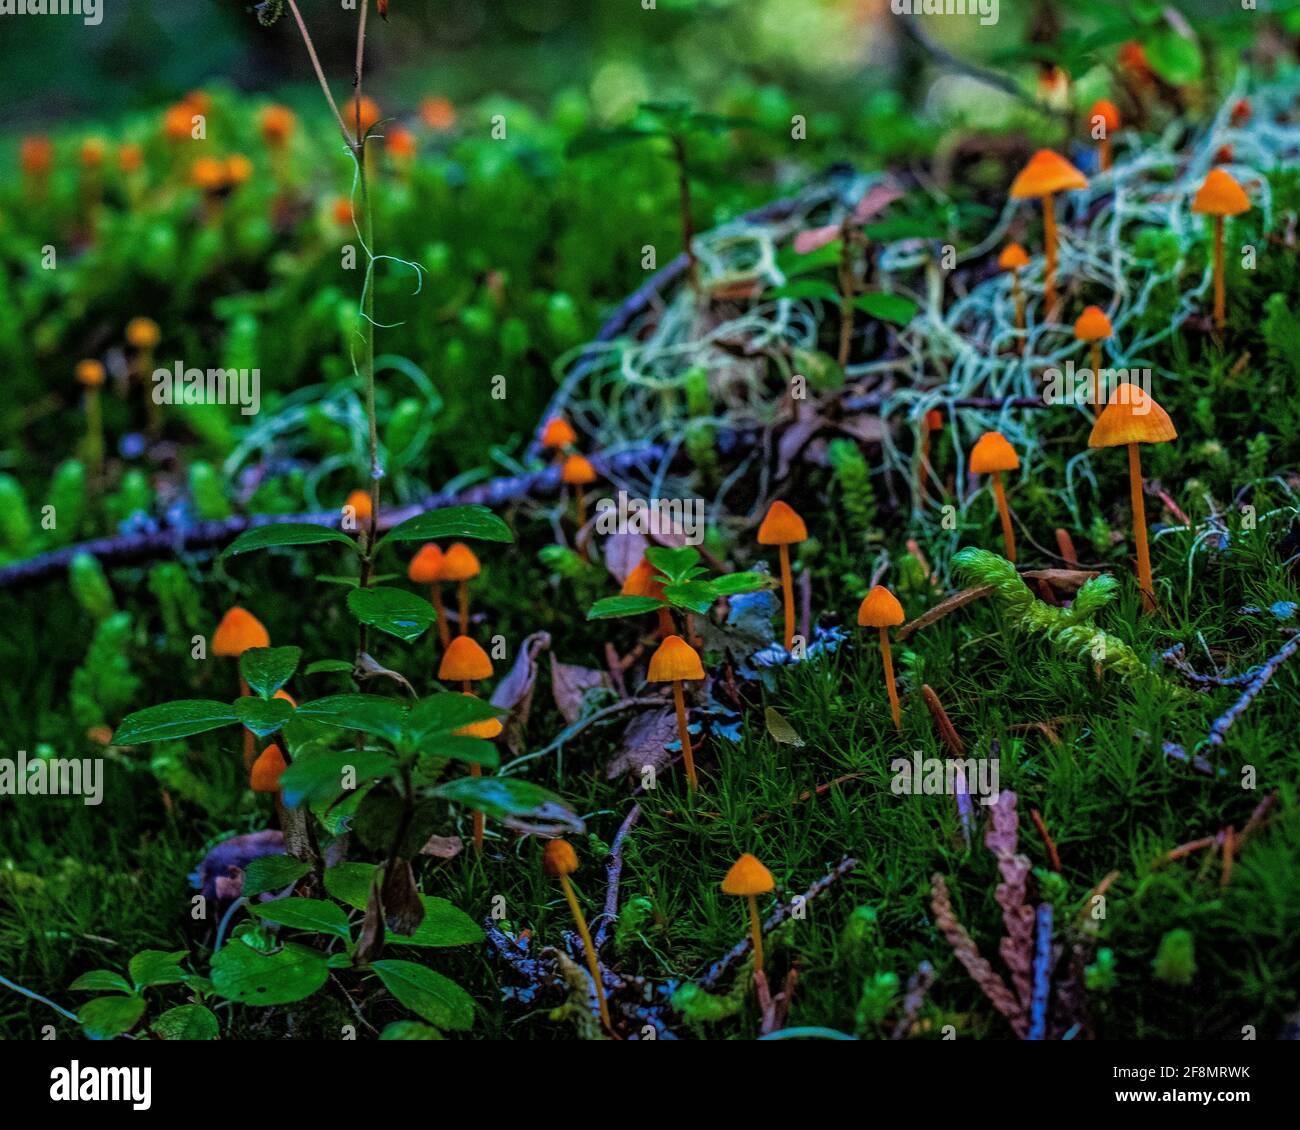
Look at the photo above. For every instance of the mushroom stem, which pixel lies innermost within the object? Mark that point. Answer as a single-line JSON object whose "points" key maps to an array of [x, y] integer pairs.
{"points": [[580, 497], [666, 626], [1097, 397], [787, 596], [1105, 154], [250, 753], [1008, 534], [589, 949], [462, 592], [475, 770], [1220, 296], [1049, 271], [1018, 297], [94, 433], [689, 754], [923, 468], [887, 658], [444, 633], [756, 932], [1145, 582]]}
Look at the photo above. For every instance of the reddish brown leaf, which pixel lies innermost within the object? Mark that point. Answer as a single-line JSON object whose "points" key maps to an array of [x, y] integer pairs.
{"points": [[569, 685], [643, 743], [515, 692]]}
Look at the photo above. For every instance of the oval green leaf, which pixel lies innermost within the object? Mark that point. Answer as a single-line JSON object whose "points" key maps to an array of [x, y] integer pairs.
{"points": [[179, 719], [429, 995], [267, 669], [394, 611], [285, 533], [240, 973], [452, 522]]}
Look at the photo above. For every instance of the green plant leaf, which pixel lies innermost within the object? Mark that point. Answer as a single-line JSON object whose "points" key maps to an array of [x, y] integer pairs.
{"points": [[157, 967], [694, 596], [187, 1022], [322, 666], [263, 715], [394, 611], [180, 719], [675, 564], [598, 141], [429, 995], [272, 873], [106, 1017], [522, 805], [315, 915], [780, 729], [285, 533], [452, 522], [444, 713], [101, 981], [614, 606], [806, 288], [240, 973], [369, 713], [1175, 59], [319, 776], [444, 924], [729, 584], [887, 307], [267, 669], [452, 747], [409, 1030]]}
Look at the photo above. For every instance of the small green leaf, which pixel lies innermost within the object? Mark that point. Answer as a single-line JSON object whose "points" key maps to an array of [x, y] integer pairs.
{"points": [[267, 669], [452, 522], [729, 584], [272, 873], [695, 596], [394, 611], [781, 730], [451, 747], [314, 915], [285, 533], [519, 804], [101, 981], [409, 1030], [675, 564], [240, 973], [1175, 59], [264, 716], [319, 777], [429, 995], [179, 719], [323, 666], [157, 967], [369, 713], [106, 1017], [444, 924], [614, 606], [806, 288], [887, 307], [186, 1022], [445, 713]]}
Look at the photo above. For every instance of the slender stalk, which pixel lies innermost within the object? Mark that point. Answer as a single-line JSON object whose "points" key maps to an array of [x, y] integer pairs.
{"points": [[1145, 581], [1049, 271], [444, 633], [1018, 297], [688, 753], [250, 751], [846, 291], [684, 206], [787, 596], [1004, 515], [887, 658], [1220, 295], [475, 770], [462, 594], [1096, 378], [756, 932], [581, 922], [320, 74], [95, 433]]}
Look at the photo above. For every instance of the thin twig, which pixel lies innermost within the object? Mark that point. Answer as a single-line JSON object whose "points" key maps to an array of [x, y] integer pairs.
{"points": [[613, 873]]}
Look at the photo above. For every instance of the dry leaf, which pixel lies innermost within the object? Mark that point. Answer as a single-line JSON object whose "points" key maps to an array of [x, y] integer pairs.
{"points": [[779, 729], [623, 553], [515, 692], [864, 427], [443, 847], [371, 942], [403, 910], [794, 439], [570, 684], [643, 744]]}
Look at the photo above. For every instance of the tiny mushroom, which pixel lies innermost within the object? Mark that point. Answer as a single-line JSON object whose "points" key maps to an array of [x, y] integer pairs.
{"points": [[992, 455], [488, 729], [1014, 259], [90, 375], [558, 436], [644, 580], [238, 631], [1219, 196], [1104, 121], [1045, 175], [1133, 417], [360, 509], [559, 861], [674, 661], [465, 662], [578, 472], [931, 422], [880, 609], [460, 565], [748, 879], [426, 569], [264, 777], [783, 527], [1093, 327]]}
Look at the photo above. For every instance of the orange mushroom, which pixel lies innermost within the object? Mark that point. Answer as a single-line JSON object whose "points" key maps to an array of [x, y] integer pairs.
{"points": [[559, 861], [465, 662], [674, 661], [1220, 195], [578, 472], [992, 455], [880, 609], [783, 527], [1014, 259], [238, 631], [488, 729], [426, 569], [748, 879], [1045, 175], [364, 113], [1104, 119], [264, 777], [1094, 327], [644, 581], [461, 566], [277, 125], [932, 421], [1133, 417], [90, 375], [558, 435], [362, 508]]}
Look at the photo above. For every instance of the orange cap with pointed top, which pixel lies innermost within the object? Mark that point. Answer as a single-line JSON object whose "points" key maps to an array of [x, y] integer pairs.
{"points": [[90, 373], [426, 565], [880, 609], [1107, 111], [781, 526], [1221, 195], [459, 563], [748, 877], [1013, 257], [558, 433], [559, 858], [267, 770], [991, 453], [238, 631], [359, 500], [578, 469], [1093, 325], [1045, 174], [1132, 416], [464, 661], [675, 660], [643, 581]]}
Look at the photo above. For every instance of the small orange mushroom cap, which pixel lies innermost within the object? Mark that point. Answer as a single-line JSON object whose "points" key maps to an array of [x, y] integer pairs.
{"points": [[1093, 325], [209, 174], [1045, 174], [558, 433], [781, 526], [459, 563], [1220, 195], [426, 566], [992, 453], [276, 124], [143, 333], [488, 729], [933, 420], [1013, 257], [578, 469], [880, 609], [369, 112], [643, 581], [90, 373], [36, 155], [675, 660], [559, 858], [284, 694], [1108, 112], [438, 112], [238, 631], [267, 770], [1132, 416], [359, 500], [748, 877], [464, 661]]}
